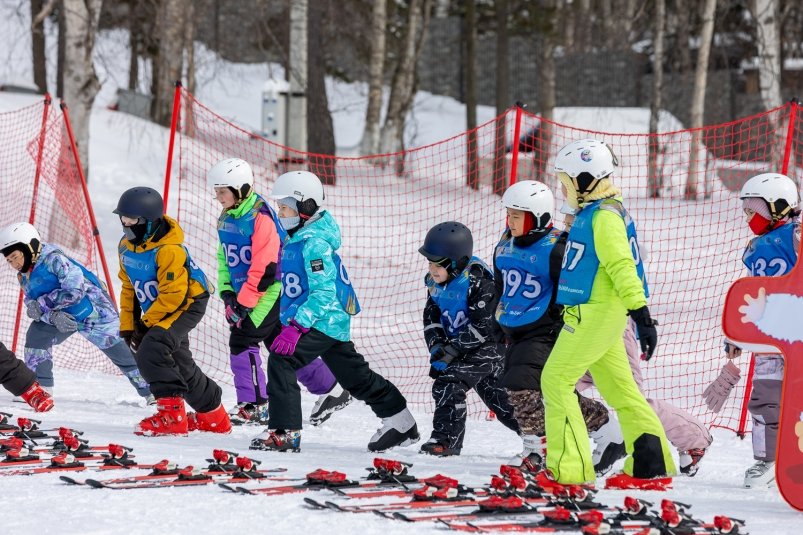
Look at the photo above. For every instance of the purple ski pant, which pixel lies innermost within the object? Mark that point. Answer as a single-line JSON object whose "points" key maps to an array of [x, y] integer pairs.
{"points": [[250, 382]]}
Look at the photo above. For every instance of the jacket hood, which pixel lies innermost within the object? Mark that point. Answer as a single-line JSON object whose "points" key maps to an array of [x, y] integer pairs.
{"points": [[321, 226]]}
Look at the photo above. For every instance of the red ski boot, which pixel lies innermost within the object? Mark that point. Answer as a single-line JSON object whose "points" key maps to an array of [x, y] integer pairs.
{"points": [[170, 419], [216, 421], [38, 398]]}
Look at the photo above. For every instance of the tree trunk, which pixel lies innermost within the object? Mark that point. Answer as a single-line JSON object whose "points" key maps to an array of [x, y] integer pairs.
{"points": [[470, 69], [299, 72], [655, 178], [683, 12], [319, 119], [500, 179], [765, 12], [547, 91], [38, 48], [698, 101], [376, 71], [170, 28], [60, 54], [80, 81], [189, 51], [133, 44], [402, 92]]}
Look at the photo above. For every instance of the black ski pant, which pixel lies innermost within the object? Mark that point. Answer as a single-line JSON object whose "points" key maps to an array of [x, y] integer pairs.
{"points": [[165, 361], [15, 376], [449, 392], [349, 368]]}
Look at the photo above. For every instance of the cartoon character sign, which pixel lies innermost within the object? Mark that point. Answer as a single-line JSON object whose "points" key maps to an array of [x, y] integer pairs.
{"points": [[767, 311]]}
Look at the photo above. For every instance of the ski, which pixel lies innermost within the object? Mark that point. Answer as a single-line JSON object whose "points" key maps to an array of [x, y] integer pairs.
{"points": [[225, 467], [116, 458]]}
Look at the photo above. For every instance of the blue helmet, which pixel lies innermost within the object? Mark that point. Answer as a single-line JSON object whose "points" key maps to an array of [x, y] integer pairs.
{"points": [[450, 240]]}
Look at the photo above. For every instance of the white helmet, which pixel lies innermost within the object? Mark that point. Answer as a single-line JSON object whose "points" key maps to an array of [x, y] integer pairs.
{"points": [[531, 196], [300, 185], [586, 156], [232, 173], [778, 191], [18, 233]]}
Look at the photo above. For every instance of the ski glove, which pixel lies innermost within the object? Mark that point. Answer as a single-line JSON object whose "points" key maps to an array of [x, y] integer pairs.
{"points": [[285, 343], [441, 355], [63, 322], [235, 312], [645, 329], [717, 392], [140, 330], [34, 310]]}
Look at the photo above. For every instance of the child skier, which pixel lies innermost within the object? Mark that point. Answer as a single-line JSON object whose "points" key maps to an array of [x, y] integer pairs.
{"points": [[250, 284], [601, 282], [462, 336], [163, 298], [527, 263], [63, 297], [771, 205], [317, 303], [21, 381]]}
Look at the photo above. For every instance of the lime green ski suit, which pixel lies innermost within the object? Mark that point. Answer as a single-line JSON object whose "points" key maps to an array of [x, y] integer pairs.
{"points": [[591, 339]]}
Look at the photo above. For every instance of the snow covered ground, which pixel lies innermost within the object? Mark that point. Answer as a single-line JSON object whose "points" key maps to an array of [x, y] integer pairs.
{"points": [[106, 409], [127, 151]]}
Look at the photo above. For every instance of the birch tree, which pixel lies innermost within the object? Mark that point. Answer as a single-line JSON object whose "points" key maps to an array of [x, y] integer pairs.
{"points": [[655, 180], [502, 96], [376, 71], [698, 100], [470, 69], [80, 80], [169, 61]]}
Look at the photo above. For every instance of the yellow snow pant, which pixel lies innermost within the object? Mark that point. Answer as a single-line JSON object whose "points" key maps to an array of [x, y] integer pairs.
{"points": [[591, 339]]}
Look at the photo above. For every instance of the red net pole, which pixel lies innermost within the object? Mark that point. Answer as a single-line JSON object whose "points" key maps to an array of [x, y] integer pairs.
{"points": [[514, 164], [173, 127], [95, 231], [31, 216], [790, 135], [747, 390]]}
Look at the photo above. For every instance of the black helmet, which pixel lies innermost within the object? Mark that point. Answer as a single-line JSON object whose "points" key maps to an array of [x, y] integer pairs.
{"points": [[140, 202], [450, 240]]}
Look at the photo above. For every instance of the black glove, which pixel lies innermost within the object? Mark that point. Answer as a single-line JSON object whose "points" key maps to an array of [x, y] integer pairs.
{"points": [[235, 311], [645, 328], [140, 330], [126, 336], [441, 355]]}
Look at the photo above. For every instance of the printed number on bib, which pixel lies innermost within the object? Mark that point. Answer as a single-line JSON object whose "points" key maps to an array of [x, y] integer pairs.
{"points": [[459, 320], [762, 268], [291, 285], [147, 291], [235, 256], [574, 250], [635, 250], [513, 282]]}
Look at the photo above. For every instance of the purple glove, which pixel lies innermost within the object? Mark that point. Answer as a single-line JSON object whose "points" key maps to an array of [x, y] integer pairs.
{"points": [[717, 392], [285, 343]]}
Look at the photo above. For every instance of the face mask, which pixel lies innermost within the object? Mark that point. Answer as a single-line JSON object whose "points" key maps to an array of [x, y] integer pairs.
{"points": [[136, 233], [289, 223], [759, 224]]}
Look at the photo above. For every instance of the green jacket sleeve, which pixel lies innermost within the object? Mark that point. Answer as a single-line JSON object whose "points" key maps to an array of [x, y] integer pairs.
{"points": [[322, 298], [615, 256], [223, 275]]}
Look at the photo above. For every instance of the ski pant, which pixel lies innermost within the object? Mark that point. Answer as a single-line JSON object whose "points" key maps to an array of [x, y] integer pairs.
{"points": [[765, 404], [449, 392], [246, 361], [595, 344], [15, 376], [349, 368], [166, 362], [683, 430], [41, 338], [528, 409]]}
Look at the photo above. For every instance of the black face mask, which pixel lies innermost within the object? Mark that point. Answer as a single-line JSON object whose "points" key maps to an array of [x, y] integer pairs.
{"points": [[137, 232]]}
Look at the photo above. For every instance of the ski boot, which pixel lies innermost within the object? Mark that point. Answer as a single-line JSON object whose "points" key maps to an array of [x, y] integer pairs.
{"points": [[533, 455], [609, 446], [397, 430], [170, 419], [690, 461], [433, 447], [277, 440], [249, 413], [328, 404], [38, 398], [216, 421], [761, 474]]}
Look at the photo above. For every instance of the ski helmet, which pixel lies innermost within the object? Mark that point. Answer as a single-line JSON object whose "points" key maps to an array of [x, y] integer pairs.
{"points": [[533, 197], [232, 173], [449, 240], [586, 162], [305, 187], [778, 191], [146, 206], [22, 237]]}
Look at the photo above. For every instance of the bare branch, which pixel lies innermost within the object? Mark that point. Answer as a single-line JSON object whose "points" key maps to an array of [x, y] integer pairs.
{"points": [[46, 11]]}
